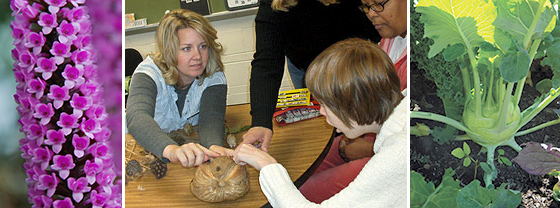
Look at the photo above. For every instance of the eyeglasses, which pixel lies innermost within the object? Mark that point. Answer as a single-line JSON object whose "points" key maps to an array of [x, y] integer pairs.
{"points": [[376, 7]]}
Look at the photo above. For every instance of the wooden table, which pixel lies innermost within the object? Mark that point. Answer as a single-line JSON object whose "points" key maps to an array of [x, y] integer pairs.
{"points": [[296, 146]]}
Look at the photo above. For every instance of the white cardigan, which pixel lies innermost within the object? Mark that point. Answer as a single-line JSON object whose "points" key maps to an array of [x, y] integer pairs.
{"points": [[381, 183]]}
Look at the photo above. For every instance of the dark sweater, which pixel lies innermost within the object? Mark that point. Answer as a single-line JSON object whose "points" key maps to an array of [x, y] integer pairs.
{"points": [[299, 34], [141, 108]]}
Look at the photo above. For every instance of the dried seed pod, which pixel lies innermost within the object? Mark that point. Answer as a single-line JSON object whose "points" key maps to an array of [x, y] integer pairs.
{"points": [[158, 168], [220, 180], [231, 141], [133, 169]]}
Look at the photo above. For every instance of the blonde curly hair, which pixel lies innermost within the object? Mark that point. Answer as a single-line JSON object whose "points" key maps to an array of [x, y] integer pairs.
{"points": [[167, 42]]}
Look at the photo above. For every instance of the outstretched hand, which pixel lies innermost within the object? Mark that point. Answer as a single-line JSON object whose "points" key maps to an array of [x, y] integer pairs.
{"points": [[258, 136], [189, 155], [246, 153]]}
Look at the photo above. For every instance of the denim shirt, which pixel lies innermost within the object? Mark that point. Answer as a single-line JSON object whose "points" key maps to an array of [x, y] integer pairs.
{"points": [[166, 112]]}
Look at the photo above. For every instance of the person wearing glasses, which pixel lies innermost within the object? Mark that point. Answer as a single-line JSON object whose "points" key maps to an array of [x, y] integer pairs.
{"points": [[359, 91], [296, 31]]}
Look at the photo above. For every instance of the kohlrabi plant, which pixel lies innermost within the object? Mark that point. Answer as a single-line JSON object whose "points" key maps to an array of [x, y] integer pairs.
{"points": [[494, 43]]}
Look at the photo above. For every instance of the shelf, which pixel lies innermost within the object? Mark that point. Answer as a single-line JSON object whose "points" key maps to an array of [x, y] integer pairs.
{"points": [[212, 17]]}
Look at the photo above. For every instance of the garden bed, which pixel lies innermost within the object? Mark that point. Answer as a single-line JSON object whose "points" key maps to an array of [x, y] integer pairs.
{"points": [[431, 159]]}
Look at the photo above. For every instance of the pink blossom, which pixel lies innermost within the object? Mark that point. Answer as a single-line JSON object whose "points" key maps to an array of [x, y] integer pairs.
{"points": [[18, 34], [76, 2], [27, 60], [36, 132], [80, 104], [46, 67], [54, 5], [103, 135], [48, 22], [63, 164], [75, 14], [36, 86], [49, 183], [81, 58], [58, 95], [73, 76], [91, 169], [60, 51], [31, 12], [82, 41], [44, 112], [18, 5], [78, 187], [42, 201], [67, 31], [90, 127], [105, 180], [89, 88], [98, 199], [56, 139], [80, 144], [66, 203], [43, 156], [36, 41], [67, 122]]}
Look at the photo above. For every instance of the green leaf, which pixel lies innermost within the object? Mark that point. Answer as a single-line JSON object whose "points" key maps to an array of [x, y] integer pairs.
{"points": [[544, 86], [423, 194], [516, 17], [501, 152], [467, 161], [515, 66], [506, 161], [451, 53], [485, 167], [466, 148], [420, 130], [473, 196], [449, 22], [505, 198], [458, 153]]}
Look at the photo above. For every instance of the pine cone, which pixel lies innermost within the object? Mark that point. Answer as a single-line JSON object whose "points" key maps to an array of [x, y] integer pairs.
{"points": [[158, 168]]}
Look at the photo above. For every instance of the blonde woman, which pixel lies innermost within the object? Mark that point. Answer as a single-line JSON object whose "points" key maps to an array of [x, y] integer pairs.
{"points": [[183, 82], [359, 91]]}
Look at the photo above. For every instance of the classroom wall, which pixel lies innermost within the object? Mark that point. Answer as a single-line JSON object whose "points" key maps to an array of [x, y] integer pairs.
{"points": [[237, 35]]}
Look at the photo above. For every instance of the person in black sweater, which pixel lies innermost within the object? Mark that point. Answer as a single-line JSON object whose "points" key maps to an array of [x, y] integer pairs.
{"points": [[298, 30]]}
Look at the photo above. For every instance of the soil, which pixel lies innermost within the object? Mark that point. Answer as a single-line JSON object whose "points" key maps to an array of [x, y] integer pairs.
{"points": [[431, 159]]}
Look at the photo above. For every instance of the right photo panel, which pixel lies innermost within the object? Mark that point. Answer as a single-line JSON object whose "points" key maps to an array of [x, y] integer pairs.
{"points": [[485, 82]]}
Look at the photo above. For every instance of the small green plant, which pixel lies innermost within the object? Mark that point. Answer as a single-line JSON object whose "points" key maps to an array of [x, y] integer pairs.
{"points": [[493, 43], [502, 159]]}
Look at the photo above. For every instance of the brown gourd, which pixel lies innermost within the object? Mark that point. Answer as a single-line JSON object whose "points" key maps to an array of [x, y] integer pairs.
{"points": [[220, 180]]}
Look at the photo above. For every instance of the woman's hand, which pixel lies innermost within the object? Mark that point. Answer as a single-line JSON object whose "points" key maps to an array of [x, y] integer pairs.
{"points": [[189, 155], [353, 149], [246, 153], [258, 134], [221, 150]]}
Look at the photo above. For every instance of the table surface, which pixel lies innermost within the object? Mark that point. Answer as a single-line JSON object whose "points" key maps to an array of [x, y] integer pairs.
{"points": [[296, 146]]}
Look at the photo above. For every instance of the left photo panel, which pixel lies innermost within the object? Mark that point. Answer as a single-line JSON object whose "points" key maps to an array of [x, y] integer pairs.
{"points": [[61, 92]]}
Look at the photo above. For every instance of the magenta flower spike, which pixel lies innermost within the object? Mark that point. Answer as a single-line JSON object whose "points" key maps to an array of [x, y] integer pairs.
{"points": [[65, 51]]}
